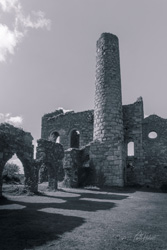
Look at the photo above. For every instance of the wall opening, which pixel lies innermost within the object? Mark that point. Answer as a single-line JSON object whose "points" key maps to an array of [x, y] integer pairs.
{"points": [[130, 149], [55, 137], [13, 175], [152, 135], [74, 140]]}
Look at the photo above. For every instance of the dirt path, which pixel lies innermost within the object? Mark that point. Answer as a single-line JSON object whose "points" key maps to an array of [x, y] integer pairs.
{"points": [[84, 220]]}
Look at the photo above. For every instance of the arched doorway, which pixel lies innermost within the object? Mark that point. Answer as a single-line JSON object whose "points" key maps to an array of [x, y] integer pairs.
{"points": [[16, 141], [75, 139], [13, 176]]}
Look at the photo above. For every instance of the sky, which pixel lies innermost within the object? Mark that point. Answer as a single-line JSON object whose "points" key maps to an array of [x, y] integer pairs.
{"points": [[48, 50]]}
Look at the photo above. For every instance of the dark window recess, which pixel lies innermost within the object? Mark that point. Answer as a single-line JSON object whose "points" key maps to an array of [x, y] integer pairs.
{"points": [[74, 143], [55, 137]]}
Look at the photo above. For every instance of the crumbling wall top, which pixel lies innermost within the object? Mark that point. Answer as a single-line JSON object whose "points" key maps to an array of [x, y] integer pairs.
{"points": [[14, 135]]}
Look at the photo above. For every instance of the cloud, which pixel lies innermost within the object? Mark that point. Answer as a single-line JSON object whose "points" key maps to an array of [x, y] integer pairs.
{"points": [[22, 23], [9, 40], [1, 116], [8, 5], [35, 21], [14, 120]]}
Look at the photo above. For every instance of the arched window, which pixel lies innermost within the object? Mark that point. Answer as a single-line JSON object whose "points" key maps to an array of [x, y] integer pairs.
{"points": [[130, 149], [55, 137], [74, 140]]}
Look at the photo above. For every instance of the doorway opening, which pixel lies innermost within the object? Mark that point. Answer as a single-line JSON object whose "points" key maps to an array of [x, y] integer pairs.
{"points": [[13, 176]]}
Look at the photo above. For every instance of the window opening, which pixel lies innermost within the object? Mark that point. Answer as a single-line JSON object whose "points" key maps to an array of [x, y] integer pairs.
{"points": [[152, 135], [55, 137], [74, 143], [130, 149]]}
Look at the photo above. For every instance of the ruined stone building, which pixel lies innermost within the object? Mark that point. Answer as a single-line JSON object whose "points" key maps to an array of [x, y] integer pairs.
{"points": [[93, 147], [96, 141], [16, 141]]}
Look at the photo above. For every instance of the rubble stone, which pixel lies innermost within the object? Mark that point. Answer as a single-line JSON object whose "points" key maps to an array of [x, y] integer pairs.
{"points": [[16, 141]]}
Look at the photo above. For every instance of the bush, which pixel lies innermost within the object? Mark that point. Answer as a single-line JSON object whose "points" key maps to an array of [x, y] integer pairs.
{"points": [[11, 173]]}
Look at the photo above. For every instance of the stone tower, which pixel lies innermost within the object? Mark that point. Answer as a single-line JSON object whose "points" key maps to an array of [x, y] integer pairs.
{"points": [[107, 149]]}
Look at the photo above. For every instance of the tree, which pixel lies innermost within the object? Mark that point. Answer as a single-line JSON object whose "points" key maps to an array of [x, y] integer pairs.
{"points": [[11, 172]]}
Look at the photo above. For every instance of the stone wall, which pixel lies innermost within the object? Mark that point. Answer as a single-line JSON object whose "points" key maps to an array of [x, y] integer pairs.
{"points": [[50, 154], [148, 165], [106, 152], [133, 116], [78, 172], [71, 166], [65, 123], [106, 132], [16, 141], [155, 151]]}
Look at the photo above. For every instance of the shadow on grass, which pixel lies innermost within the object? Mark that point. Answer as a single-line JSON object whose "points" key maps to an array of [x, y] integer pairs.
{"points": [[87, 201], [28, 227]]}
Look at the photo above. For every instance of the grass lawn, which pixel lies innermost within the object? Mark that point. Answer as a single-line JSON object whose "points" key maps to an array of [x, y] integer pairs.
{"points": [[81, 219]]}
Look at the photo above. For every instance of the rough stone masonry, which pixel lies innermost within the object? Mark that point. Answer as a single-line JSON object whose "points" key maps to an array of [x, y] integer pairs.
{"points": [[15, 141], [107, 132], [112, 145], [107, 149]]}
